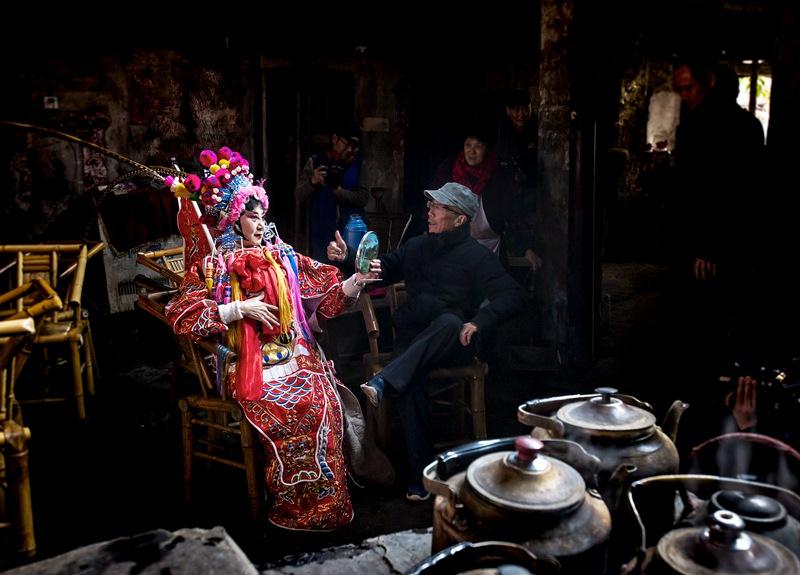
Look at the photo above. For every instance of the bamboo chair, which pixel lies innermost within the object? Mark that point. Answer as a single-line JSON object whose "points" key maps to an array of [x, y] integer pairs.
{"points": [[168, 263], [69, 325], [16, 336], [457, 392], [209, 417]]}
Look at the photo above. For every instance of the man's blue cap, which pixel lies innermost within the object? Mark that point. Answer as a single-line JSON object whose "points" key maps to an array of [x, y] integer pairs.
{"points": [[456, 196]]}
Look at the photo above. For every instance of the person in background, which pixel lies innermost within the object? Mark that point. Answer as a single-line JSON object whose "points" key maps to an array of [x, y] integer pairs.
{"points": [[329, 182], [260, 297], [712, 301], [517, 134], [476, 167], [456, 290]]}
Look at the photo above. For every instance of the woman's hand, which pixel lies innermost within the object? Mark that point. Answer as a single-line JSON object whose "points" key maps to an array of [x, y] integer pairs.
{"points": [[337, 249], [533, 259], [256, 309]]}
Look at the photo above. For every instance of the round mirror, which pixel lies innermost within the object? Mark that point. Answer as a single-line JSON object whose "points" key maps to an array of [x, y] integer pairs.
{"points": [[366, 252]]}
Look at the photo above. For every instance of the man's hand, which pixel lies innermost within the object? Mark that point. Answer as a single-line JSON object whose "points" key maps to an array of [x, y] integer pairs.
{"points": [[467, 331], [704, 269], [373, 275], [744, 409], [318, 175], [256, 309], [337, 249]]}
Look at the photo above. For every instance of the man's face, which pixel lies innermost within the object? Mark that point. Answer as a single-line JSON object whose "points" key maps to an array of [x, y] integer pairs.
{"points": [[443, 218], [474, 151], [343, 148], [690, 90], [519, 116], [252, 225]]}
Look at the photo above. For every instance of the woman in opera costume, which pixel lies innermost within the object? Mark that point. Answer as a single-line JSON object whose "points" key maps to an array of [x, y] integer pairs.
{"points": [[259, 296]]}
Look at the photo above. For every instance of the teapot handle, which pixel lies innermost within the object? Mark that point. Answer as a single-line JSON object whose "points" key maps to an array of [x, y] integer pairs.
{"points": [[527, 417], [450, 462]]}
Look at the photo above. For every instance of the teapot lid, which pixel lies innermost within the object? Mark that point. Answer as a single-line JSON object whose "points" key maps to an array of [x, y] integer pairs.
{"points": [[525, 480], [606, 414], [759, 512], [725, 547]]}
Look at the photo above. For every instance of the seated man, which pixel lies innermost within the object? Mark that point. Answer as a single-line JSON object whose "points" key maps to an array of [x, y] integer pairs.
{"points": [[456, 289]]}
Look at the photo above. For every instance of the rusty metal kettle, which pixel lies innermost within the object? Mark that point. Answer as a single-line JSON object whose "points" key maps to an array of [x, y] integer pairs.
{"points": [[722, 547], [526, 495], [617, 428]]}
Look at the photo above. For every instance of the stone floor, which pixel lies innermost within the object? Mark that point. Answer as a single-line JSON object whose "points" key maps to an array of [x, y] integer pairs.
{"points": [[119, 473]]}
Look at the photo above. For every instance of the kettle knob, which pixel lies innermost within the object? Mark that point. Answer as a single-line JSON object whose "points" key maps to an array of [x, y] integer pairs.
{"points": [[527, 449], [725, 528], [606, 393]]}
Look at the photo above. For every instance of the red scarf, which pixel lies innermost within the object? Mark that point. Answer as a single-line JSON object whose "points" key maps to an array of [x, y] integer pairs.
{"points": [[474, 177], [255, 275]]}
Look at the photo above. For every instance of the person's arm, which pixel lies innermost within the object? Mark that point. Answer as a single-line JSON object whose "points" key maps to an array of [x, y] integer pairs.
{"points": [[506, 297], [350, 191], [308, 180], [193, 312]]}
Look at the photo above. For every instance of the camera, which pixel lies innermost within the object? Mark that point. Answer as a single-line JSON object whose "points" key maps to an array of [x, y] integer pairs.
{"points": [[778, 388], [333, 176]]}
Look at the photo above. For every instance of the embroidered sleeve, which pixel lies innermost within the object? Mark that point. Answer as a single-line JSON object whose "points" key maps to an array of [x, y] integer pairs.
{"points": [[192, 312], [322, 284]]}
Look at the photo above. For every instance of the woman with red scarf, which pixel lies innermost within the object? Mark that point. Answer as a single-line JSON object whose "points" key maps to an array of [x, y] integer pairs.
{"points": [[477, 168], [260, 298]]}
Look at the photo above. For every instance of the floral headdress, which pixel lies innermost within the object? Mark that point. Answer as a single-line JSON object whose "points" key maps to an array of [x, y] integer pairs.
{"points": [[224, 188]]}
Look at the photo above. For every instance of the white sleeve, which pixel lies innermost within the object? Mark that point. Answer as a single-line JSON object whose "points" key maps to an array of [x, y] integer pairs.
{"points": [[230, 312], [350, 288]]}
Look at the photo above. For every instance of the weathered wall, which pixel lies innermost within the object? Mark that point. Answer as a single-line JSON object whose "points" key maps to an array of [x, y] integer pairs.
{"points": [[148, 105]]}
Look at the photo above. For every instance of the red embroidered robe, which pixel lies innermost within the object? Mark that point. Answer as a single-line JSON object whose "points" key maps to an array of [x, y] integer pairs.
{"points": [[298, 415]]}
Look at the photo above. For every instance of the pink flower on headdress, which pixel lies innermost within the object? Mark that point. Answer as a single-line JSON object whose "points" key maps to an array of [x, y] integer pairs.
{"points": [[238, 202], [208, 157], [224, 153], [224, 176], [192, 182]]}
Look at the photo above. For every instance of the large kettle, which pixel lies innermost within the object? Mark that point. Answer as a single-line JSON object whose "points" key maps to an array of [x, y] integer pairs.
{"points": [[530, 495], [619, 429], [723, 547], [660, 505]]}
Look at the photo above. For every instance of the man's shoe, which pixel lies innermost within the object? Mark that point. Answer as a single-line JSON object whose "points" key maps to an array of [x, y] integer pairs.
{"points": [[373, 390], [417, 494]]}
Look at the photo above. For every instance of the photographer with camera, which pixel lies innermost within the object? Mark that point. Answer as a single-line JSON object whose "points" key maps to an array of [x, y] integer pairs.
{"points": [[330, 183]]}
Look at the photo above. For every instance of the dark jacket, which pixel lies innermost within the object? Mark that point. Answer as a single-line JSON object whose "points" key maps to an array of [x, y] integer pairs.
{"points": [[451, 272]]}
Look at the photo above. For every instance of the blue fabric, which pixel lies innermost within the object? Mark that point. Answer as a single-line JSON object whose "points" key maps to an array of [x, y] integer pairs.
{"points": [[326, 214]]}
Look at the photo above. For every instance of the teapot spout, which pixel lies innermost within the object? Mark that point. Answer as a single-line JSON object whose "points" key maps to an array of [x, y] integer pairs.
{"points": [[617, 484], [673, 418]]}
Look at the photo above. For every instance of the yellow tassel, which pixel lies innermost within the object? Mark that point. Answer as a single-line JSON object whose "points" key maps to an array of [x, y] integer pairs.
{"points": [[235, 335], [284, 305]]}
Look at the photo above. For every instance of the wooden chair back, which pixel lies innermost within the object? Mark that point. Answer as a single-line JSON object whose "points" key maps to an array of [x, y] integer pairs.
{"points": [[169, 263]]}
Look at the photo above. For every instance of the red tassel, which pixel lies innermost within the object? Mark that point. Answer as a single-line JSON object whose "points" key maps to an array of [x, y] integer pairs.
{"points": [[248, 372]]}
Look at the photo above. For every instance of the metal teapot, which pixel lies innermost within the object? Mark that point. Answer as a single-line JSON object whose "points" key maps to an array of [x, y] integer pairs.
{"points": [[761, 514], [619, 429], [528, 495], [723, 547], [661, 504]]}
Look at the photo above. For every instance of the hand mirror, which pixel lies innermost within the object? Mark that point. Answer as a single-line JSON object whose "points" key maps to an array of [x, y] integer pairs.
{"points": [[366, 252]]}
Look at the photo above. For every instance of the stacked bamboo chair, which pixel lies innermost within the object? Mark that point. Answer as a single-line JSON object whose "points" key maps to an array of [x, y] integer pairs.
{"points": [[17, 334], [68, 326]]}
